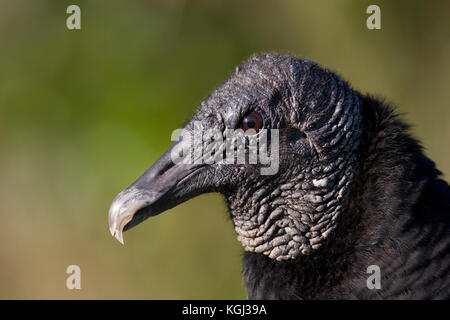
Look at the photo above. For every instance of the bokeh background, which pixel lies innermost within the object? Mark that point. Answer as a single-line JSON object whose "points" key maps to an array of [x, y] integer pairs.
{"points": [[83, 113]]}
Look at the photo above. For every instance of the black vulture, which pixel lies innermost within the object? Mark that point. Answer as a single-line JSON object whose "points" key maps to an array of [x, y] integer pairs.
{"points": [[352, 189]]}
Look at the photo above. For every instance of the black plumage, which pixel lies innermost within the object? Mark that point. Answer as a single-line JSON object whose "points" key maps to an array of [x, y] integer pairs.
{"points": [[353, 189]]}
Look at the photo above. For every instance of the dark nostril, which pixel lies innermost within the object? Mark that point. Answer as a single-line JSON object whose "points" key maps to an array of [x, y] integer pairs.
{"points": [[166, 168]]}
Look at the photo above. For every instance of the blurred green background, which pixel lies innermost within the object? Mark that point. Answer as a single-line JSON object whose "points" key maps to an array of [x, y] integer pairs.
{"points": [[83, 113]]}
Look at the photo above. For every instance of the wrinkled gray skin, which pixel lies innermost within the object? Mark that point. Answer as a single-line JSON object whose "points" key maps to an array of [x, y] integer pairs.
{"points": [[287, 214]]}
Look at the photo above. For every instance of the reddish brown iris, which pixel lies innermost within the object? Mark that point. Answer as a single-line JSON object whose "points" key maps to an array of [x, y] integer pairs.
{"points": [[253, 120]]}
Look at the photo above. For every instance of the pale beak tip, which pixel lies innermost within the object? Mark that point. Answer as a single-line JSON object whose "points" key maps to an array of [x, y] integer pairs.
{"points": [[112, 231], [119, 236], [123, 209]]}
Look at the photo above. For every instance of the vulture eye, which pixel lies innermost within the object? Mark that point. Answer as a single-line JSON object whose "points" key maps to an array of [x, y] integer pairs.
{"points": [[253, 120]]}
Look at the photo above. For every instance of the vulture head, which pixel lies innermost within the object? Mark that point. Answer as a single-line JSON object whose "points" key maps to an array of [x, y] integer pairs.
{"points": [[307, 124]]}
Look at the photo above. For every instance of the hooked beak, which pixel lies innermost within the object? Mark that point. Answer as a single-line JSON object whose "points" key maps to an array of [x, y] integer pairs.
{"points": [[154, 192]]}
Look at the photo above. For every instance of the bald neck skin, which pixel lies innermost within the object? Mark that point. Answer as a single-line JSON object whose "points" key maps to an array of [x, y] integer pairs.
{"points": [[372, 229]]}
